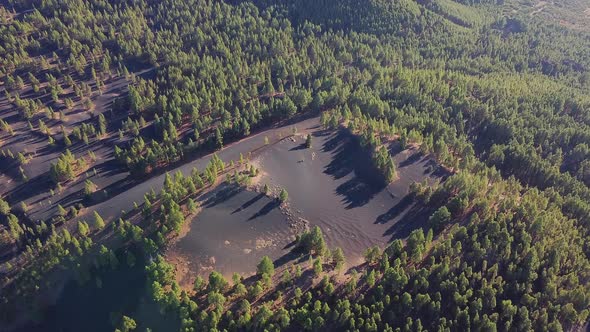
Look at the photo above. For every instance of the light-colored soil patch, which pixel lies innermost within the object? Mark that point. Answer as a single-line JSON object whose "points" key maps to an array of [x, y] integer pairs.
{"points": [[183, 274], [255, 184], [263, 243]]}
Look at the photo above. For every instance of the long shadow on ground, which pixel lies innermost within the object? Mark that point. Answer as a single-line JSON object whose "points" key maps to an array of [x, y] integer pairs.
{"points": [[266, 209], [222, 195], [416, 217], [295, 256], [396, 210], [248, 203], [9, 167], [349, 158], [34, 186]]}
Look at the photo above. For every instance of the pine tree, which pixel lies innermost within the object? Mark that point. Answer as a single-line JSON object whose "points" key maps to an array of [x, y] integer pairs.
{"points": [[218, 138], [265, 266], [317, 267], [283, 195], [61, 211], [191, 205], [98, 221], [102, 125], [4, 207], [89, 188], [83, 228], [338, 258]]}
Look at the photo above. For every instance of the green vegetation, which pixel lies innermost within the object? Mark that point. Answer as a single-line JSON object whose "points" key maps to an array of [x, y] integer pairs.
{"points": [[312, 242], [265, 267], [283, 195], [491, 91], [98, 221], [308, 141], [63, 170]]}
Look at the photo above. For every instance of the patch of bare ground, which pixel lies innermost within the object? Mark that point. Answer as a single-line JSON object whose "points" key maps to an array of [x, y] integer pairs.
{"points": [[182, 271], [185, 276], [205, 251], [186, 267], [235, 228], [333, 185]]}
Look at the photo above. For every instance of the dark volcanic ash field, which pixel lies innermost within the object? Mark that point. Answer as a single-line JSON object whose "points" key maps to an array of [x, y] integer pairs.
{"points": [[332, 185]]}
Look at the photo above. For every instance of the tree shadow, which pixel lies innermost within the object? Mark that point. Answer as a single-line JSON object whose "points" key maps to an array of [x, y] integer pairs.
{"points": [[438, 171], [348, 157], [316, 126], [295, 256], [12, 118], [221, 195], [31, 188], [337, 140], [12, 140], [411, 160], [71, 199], [248, 203], [110, 191], [321, 132], [81, 147], [357, 192], [78, 111], [9, 167], [301, 146], [109, 168], [395, 148], [342, 162], [395, 211], [416, 217], [266, 209], [47, 149]]}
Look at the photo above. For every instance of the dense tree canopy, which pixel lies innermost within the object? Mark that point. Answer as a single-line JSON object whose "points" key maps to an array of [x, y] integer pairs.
{"points": [[492, 93]]}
